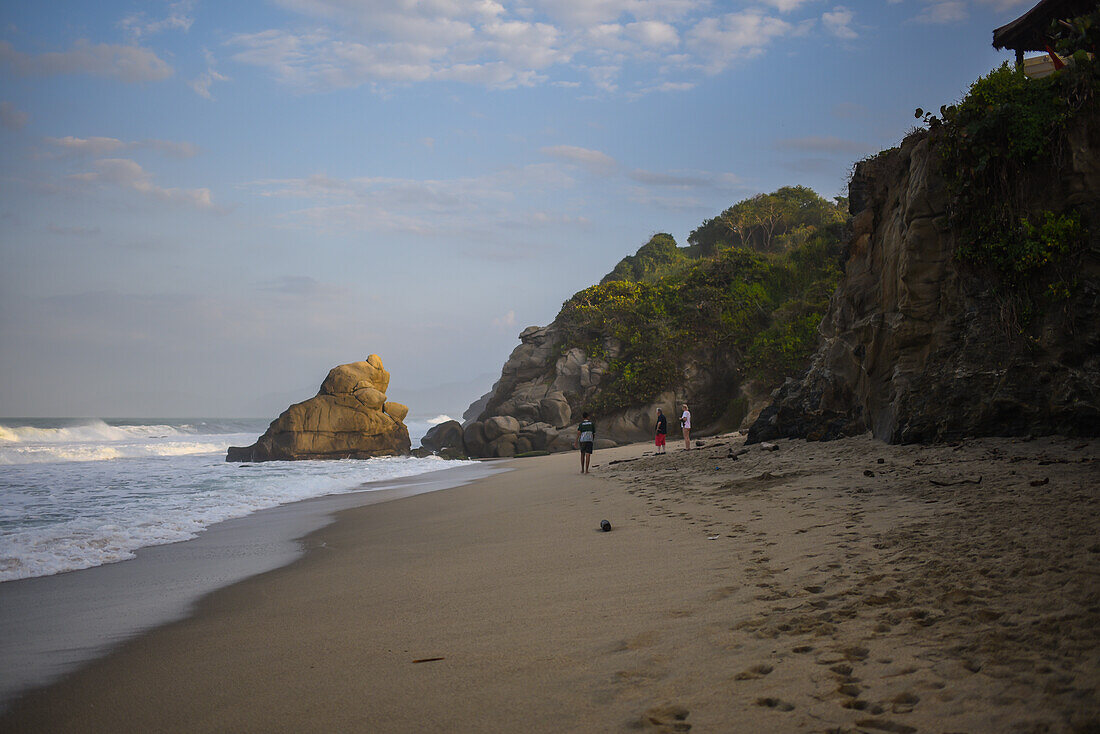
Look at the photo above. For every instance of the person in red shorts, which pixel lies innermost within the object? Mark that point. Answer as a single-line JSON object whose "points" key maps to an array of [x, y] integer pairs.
{"points": [[662, 430]]}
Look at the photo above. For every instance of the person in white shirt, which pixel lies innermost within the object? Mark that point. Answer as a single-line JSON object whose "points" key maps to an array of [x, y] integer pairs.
{"points": [[685, 421]]}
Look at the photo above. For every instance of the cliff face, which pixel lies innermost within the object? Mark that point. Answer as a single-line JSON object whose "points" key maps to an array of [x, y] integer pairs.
{"points": [[349, 418], [917, 347]]}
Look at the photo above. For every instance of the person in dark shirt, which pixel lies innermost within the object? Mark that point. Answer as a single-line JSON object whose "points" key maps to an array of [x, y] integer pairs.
{"points": [[662, 431], [586, 437]]}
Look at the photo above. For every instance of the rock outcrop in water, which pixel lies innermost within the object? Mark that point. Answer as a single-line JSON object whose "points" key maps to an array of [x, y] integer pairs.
{"points": [[349, 418], [915, 345]]}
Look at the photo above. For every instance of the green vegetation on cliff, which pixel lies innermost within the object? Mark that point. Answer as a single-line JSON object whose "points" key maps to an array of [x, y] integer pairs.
{"points": [[774, 222], [752, 295], [1002, 149], [653, 260]]}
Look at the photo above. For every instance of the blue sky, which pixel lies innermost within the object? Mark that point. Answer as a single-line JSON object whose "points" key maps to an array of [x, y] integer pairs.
{"points": [[205, 206]]}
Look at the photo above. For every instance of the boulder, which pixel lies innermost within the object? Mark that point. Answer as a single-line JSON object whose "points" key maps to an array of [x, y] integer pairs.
{"points": [[500, 425], [563, 441], [397, 411], [446, 435], [504, 446], [345, 420], [473, 437], [539, 435], [555, 411]]}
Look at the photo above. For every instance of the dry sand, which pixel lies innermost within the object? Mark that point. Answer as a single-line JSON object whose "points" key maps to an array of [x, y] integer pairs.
{"points": [[844, 586]]}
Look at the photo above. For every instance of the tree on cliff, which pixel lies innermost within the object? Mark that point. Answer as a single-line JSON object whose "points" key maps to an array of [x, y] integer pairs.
{"points": [[772, 222], [651, 261]]}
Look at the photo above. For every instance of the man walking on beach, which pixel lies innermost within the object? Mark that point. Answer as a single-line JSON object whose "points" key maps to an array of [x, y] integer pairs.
{"points": [[662, 430], [685, 421], [586, 437]]}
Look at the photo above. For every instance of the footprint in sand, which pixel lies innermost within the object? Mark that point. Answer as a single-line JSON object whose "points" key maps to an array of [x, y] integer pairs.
{"points": [[721, 593], [850, 690], [664, 719], [775, 703], [755, 672], [904, 702]]}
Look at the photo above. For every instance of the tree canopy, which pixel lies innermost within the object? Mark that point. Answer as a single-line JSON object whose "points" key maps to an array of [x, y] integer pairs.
{"points": [[772, 222], [758, 297]]}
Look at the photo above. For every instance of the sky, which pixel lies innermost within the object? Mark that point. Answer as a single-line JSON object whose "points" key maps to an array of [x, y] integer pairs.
{"points": [[204, 206]]}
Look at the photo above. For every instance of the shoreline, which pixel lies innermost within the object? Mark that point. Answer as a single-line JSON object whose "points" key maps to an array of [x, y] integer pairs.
{"points": [[57, 623], [849, 585]]}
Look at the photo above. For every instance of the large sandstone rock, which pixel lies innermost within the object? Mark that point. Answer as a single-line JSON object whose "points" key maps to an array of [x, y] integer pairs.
{"points": [[349, 418], [915, 344]]}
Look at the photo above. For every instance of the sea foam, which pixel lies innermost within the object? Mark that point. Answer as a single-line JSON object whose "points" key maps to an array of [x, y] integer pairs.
{"points": [[88, 493]]}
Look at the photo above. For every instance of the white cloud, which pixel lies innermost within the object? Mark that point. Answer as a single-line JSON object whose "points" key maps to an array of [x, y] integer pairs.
{"points": [[653, 34], [507, 321], [579, 13], [202, 83], [127, 174], [178, 18], [89, 146], [947, 11], [592, 160], [99, 146], [390, 42], [174, 148], [126, 63], [1006, 4], [735, 35], [527, 45], [12, 117], [839, 23], [666, 87], [302, 287], [472, 205], [786, 6]]}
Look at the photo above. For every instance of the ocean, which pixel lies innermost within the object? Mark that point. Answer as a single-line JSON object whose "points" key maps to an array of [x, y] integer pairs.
{"points": [[93, 512], [78, 493]]}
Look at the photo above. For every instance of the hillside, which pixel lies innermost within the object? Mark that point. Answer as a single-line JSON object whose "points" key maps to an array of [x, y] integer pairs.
{"points": [[717, 325]]}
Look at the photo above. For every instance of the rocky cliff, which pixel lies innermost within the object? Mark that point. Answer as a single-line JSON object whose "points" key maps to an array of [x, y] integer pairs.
{"points": [[349, 418], [715, 325], [544, 388], [920, 346]]}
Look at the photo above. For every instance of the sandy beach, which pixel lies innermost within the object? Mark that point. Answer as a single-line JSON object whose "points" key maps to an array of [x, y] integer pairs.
{"points": [[843, 587]]}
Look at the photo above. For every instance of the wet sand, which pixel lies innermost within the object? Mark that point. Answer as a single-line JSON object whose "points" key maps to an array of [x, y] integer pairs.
{"points": [[845, 586], [50, 625]]}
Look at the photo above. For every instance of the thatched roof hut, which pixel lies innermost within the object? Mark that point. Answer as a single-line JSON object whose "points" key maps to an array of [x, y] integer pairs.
{"points": [[1030, 31]]}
